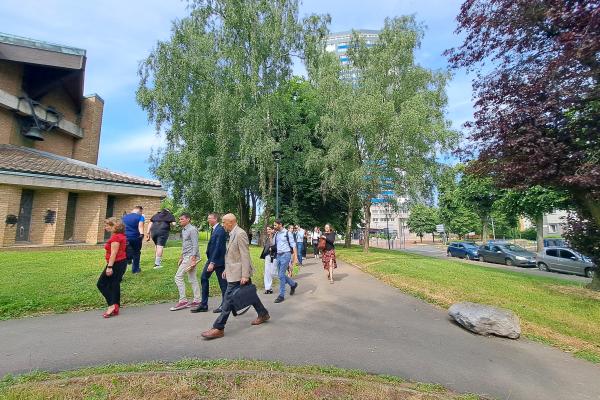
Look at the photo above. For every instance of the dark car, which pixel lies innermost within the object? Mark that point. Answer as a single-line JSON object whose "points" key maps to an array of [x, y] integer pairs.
{"points": [[555, 242], [463, 250], [507, 253]]}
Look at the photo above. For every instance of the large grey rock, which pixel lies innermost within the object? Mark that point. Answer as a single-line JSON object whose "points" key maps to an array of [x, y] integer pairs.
{"points": [[486, 320]]}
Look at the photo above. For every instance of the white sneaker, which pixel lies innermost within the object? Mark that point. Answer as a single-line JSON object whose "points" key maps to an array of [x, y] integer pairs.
{"points": [[157, 266]]}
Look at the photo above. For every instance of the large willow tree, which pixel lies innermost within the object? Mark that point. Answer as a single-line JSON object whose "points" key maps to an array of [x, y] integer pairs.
{"points": [[384, 127], [211, 88]]}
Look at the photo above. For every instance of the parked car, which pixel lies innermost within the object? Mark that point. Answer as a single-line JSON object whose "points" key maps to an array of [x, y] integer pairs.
{"points": [[567, 260], [466, 250], [555, 243], [507, 253]]}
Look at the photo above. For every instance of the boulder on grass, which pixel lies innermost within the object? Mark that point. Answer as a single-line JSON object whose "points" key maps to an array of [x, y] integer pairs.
{"points": [[486, 320]]}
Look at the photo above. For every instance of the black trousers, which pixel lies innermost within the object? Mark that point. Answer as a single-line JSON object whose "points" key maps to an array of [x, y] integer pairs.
{"points": [[204, 281], [226, 307], [110, 286]]}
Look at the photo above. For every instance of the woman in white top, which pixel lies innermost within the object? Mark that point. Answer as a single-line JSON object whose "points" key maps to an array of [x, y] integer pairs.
{"points": [[314, 236]]}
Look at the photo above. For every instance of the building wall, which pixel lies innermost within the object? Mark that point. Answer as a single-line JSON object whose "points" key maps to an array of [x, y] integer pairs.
{"points": [[89, 217], [124, 205], [11, 76], [10, 199], [86, 149], [41, 232]]}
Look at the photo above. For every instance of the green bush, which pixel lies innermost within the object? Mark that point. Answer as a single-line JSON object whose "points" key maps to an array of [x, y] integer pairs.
{"points": [[529, 234]]}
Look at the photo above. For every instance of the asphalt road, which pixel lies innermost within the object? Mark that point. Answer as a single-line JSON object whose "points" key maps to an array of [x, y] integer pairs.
{"points": [[440, 252], [359, 322]]}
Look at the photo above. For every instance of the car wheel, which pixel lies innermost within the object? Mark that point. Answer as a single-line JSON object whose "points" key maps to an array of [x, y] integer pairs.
{"points": [[543, 267], [589, 273], [481, 258], [509, 262]]}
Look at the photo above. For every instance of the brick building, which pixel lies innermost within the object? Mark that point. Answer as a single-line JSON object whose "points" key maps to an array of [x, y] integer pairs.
{"points": [[51, 190]]}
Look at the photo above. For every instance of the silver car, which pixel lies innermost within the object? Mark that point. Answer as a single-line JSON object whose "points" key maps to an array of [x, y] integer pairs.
{"points": [[563, 259]]}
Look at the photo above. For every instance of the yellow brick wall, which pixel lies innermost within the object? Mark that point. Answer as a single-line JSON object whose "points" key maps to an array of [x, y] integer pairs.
{"points": [[89, 217], [43, 200], [10, 199], [86, 149], [124, 205], [11, 76]]}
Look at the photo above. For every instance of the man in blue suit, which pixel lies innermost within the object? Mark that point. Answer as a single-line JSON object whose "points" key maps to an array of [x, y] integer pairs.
{"points": [[215, 262]]}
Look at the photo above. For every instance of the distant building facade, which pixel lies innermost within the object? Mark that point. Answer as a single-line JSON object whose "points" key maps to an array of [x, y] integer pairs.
{"points": [[339, 42], [554, 223], [51, 190]]}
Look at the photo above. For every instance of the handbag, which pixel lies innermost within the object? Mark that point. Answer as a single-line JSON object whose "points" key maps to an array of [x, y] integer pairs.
{"points": [[322, 244], [242, 298]]}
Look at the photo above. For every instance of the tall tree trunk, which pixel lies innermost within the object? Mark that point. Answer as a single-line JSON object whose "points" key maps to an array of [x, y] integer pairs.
{"points": [[591, 207], [484, 230], [367, 212], [539, 236], [348, 239]]}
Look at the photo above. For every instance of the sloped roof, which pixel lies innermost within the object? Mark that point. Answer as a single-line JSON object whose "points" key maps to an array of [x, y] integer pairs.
{"points": [[32, 161]]}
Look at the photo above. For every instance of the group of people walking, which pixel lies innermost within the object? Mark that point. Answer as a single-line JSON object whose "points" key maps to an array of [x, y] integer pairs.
{"points": [[227, 256]]}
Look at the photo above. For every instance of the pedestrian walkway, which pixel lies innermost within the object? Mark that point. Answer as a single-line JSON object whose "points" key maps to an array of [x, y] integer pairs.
{"points": [[358, 322]]}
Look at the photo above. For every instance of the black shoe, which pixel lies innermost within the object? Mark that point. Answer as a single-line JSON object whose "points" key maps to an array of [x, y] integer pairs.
{"points": [[268, 292], [279, 299], [217, 310], [200, 308], [293, 289]]}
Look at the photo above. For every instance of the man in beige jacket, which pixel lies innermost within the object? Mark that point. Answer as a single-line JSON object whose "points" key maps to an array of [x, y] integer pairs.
{"points": [[238, 271]]}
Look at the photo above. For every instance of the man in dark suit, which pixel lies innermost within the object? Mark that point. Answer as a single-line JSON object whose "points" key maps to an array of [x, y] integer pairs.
{"points": [[215, 262]]}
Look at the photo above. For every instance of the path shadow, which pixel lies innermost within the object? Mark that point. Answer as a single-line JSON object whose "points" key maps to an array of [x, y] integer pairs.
{"points": [[339, 277]]}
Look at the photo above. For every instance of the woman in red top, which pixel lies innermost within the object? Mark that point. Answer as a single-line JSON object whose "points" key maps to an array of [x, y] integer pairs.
{"points": [[109, 282]]}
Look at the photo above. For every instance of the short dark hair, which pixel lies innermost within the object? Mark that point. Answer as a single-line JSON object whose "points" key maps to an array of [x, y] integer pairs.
{"points": [[278, 222], [138, 207], [215, 215], [185, 215]]}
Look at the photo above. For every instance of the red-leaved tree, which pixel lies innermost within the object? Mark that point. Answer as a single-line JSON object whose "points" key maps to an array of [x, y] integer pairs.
{"points": [[537, 108]]}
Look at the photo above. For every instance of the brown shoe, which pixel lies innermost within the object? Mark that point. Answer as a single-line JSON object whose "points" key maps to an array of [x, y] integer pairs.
{"points": [[261, 319], [213, 333]]}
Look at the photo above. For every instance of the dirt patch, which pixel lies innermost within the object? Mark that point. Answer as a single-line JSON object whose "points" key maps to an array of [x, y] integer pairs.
{"points": [[222, 384]]}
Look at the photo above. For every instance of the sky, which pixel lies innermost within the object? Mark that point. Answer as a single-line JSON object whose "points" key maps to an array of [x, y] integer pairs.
{"points": [[117, 35]]}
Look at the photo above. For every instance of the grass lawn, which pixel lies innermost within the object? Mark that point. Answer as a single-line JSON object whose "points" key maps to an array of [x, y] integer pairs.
{"points": [[36, 282], [194, 379], [554, 311]]}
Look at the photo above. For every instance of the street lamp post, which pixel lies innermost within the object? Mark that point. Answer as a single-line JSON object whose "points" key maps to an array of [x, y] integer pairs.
{"points": [[277, 157]]}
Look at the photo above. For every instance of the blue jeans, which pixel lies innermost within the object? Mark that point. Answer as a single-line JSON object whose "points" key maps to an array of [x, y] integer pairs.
{"points": [[283, 261], [204, 281], [134, 252], [300, 249]]}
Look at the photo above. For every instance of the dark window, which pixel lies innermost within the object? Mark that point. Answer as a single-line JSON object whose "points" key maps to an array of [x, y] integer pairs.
{"points": [[496, 248], [552, 252], [70, 217], [566, 254], [24, 219]]}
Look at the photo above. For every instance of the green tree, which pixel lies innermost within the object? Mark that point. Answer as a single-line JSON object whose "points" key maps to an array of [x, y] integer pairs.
{"points": [[422, 219], [212, 89], [386, 124], [533, 203], [479, 194], [456, 216]]}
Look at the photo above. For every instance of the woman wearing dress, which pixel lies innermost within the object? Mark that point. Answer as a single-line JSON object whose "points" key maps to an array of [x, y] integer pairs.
{"points": [[109, 282], [314, 236], [269, 256], [328, 257]]}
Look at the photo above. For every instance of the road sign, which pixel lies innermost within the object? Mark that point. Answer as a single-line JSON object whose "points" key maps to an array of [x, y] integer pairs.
{"points": [[440, 228]]}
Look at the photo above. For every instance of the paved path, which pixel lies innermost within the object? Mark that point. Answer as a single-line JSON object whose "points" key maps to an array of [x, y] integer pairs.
{"points": [[440, 252], [358, 322]]}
